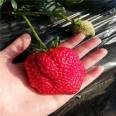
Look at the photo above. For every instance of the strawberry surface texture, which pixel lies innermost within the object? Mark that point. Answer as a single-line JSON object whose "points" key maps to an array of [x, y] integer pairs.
{"points": [[57, 71]]}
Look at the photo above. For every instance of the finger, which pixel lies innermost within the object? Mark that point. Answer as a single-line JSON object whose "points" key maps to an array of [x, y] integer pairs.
{"points": [[87, 46], [16, 48], [73, 41], [92, 75], [94, 57]]}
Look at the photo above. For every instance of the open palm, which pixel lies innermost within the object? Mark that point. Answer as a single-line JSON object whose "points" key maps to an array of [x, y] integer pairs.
{"points": [[18, 99]]}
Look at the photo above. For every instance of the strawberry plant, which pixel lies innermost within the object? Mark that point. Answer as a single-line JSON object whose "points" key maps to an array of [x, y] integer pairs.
{"points": [[51, 8], [52, 69]]}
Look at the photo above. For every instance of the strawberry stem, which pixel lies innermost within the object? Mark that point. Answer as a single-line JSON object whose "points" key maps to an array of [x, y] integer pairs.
{"points": [[42, 45], [67, 19], [72, 21]]}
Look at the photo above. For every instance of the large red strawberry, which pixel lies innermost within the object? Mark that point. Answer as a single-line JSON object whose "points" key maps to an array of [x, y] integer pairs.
{"points": [[57, 71]]}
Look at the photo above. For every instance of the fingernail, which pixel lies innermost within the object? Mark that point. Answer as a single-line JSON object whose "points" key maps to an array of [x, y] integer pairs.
{"points": [[105, 51], [25, 36], [98, 39]]}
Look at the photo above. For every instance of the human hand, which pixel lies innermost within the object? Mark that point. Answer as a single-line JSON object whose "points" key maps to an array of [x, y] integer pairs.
{"points": [[18, 99]]}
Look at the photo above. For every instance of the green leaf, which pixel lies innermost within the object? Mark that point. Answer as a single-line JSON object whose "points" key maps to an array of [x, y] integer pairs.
{"points": [[14, 4], [54, 43], [51, 7], [76, 22], [36, 48], [69, 2], [1, 2]]}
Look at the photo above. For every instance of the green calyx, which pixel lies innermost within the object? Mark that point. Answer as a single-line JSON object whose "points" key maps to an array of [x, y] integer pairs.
{"points": [[54, 43], [76, 22]]}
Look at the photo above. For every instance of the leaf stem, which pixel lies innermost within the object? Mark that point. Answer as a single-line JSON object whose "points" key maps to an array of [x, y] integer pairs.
{"points": [[42, 45], [28, 13]]}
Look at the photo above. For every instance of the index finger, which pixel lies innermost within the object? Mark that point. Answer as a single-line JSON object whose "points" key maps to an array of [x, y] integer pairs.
{"points": [[15, 48]]}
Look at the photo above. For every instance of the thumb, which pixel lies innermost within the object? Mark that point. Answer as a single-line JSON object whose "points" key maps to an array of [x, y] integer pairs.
{"points": [[16, 48]]}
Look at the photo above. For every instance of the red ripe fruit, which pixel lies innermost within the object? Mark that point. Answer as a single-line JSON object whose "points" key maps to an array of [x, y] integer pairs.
{"points": [[57, 71]]}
